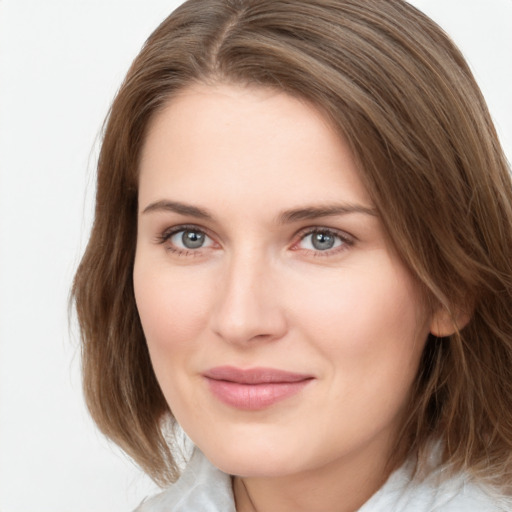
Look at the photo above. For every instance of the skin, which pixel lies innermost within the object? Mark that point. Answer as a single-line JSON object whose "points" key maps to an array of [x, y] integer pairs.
{"points": [[258, 293]]}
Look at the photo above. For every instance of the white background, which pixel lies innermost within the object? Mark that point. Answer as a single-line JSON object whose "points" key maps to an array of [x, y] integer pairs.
{"points": [[61, 62]]}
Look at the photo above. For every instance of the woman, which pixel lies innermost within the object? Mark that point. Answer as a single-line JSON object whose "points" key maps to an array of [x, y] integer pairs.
{"points": [[301, 254]]}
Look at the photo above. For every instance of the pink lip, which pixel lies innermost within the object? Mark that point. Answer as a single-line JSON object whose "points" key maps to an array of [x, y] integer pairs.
{"points": [[254, 388]]}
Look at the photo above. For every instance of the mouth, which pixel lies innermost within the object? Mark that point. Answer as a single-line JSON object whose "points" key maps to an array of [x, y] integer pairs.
{"points": [[255, 388]]}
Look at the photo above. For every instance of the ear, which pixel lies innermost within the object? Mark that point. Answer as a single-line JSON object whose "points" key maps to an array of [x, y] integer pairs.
{"points": [[445, 323]]}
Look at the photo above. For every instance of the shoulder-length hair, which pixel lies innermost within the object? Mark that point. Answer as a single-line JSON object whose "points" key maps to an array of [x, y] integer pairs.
{"points": [[401, 94]]}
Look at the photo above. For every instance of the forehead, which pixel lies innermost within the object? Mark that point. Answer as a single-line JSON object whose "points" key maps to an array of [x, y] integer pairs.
{"points": [[246, 143]]}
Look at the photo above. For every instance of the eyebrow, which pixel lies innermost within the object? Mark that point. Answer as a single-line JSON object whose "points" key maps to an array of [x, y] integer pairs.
{"points": [[181, 208], [315, 212], [286, 217]]}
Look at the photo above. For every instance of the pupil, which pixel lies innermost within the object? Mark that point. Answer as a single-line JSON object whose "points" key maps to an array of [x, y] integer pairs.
{"points": [[322, 241], [192, 239]]}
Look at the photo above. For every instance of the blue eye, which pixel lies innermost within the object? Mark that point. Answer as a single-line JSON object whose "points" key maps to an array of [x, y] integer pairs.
{"points": [[190, 239], [321, 240]]}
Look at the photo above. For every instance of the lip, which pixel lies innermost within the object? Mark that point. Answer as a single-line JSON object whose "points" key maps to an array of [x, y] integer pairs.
{"points": [[254, 388]]}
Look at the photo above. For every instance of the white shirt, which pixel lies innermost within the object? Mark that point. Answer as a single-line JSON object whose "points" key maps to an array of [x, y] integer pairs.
{"points": [[204, 488]]}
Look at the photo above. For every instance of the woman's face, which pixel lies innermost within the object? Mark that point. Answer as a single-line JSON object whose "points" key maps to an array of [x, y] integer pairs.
{"points": [[283, 329]]}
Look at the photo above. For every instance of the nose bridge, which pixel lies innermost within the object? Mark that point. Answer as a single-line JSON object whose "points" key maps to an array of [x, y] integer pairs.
{"points": [[246, 307]]}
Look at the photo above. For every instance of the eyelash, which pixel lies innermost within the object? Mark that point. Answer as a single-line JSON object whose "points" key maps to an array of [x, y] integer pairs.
{"points": [[346, 240], [166, 235]]}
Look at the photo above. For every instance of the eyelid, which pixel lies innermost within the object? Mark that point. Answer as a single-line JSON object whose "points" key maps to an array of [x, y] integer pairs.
{"points": [[347, 239], [164, 236]]}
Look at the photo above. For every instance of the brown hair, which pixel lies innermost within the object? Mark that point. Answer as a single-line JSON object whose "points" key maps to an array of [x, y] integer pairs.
{"points": [[403, 97]]}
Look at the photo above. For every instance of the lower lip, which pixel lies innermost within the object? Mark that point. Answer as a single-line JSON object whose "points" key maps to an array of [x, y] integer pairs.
{"points": [[253, 397]]}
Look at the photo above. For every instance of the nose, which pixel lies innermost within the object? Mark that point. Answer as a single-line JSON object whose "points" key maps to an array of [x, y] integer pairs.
{"points": [[247, 306]]}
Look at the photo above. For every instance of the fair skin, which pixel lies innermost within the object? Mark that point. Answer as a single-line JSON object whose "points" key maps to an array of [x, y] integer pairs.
{"points": [[259, 247]]}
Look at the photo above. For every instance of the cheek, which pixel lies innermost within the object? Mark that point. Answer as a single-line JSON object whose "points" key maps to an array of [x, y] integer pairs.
{"points": [[370, 328], [174, 311], [173, 307], [369, 315]]}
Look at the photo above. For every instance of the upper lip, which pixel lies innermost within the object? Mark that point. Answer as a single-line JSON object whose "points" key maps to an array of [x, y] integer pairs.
{"points": [[258, 375]]}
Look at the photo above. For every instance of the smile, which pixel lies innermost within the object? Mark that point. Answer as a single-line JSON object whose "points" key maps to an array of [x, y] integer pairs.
{"points": [[255, 388]]}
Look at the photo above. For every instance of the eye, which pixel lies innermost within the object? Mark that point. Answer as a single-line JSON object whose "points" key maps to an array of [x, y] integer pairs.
{"points": [[189, 239], [182, 239], [323, 240]]}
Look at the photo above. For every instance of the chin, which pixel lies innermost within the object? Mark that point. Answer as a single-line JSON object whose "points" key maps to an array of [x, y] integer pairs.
{"points": [[255, 459], [250, 467]]}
